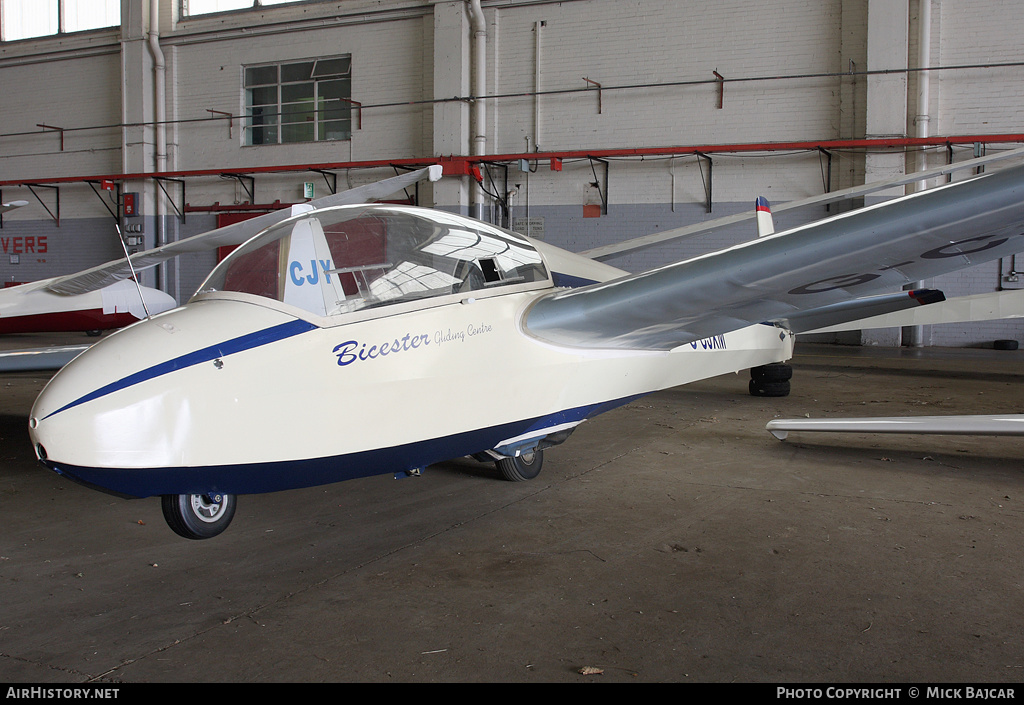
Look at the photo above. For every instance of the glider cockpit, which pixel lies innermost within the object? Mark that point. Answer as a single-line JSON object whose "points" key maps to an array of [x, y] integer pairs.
{"points": [[346, 260]]}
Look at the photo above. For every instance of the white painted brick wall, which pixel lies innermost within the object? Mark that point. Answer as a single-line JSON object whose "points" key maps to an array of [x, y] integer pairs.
{"points": [[84, 92], [627, 43], [386, 60], [987, 100]]}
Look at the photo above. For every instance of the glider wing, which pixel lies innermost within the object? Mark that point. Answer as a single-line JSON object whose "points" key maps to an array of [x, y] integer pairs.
{"points": [[788, 275]]}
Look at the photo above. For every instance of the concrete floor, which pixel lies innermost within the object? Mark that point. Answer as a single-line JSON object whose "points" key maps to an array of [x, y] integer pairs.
{"points": [[670, 540]]}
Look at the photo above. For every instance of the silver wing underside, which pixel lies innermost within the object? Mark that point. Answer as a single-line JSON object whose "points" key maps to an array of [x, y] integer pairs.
{"points": [[796, 273], [39, 359], [971, 425]]}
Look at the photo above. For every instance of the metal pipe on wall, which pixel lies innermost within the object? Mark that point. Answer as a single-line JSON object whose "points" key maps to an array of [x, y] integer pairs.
{"points": [[479, 68], [160, 118], [924, 54], [537, 26], [915, 334]]}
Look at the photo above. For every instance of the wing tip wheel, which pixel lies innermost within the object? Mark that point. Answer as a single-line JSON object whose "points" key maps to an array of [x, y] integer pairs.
{"points": [[198, 516]]}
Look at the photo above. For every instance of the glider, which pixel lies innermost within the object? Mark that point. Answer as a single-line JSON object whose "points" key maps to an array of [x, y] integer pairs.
{"points": [[31, 308], [347, 341]]}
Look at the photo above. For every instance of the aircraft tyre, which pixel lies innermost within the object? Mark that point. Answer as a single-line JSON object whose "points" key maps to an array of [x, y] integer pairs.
{"points": [[198, 516], [522, 467], [770, 380], [763, 388], [775, 372]]}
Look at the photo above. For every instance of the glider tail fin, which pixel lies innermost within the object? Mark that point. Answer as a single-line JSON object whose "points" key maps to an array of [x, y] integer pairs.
{"points": [[306, 271], [765, 224]]}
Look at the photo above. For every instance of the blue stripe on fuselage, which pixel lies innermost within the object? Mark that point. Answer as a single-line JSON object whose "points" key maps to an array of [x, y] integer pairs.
{"points": [[254, 478], [228, 347], [570, 280]]}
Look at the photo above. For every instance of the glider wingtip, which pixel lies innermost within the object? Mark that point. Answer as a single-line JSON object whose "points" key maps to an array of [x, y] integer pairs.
{"points": [[763, 210], [927, 296]]}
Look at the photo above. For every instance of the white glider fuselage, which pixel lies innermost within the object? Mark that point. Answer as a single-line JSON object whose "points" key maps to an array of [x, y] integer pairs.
{"points": [[238, 394]]}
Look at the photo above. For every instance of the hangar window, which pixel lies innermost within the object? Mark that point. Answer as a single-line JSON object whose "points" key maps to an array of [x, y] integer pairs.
{"points": [[25, 19], [191, 8], [302, 101]]}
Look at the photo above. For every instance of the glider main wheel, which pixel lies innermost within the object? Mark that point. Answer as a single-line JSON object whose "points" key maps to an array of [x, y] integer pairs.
{"points": [[522, 467], [198, 516]]}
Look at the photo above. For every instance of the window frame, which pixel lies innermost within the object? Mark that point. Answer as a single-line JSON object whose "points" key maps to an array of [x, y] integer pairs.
{"points": [[61, 30], [255, 5], [273, 127]]}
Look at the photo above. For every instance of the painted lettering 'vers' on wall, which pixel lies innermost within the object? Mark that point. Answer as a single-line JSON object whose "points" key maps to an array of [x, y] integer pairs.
{"points": [[24, 245]]}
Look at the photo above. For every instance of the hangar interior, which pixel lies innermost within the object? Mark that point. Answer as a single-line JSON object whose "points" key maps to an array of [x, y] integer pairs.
{"points": [[672, 539], [582, 122]]}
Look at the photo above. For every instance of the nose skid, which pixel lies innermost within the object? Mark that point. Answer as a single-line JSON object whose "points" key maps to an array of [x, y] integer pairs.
{"points": [[37, 445]]}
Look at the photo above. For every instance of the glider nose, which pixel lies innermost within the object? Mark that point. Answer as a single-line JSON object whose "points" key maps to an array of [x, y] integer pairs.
{"points": [[155, 396], [70, 422]]}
